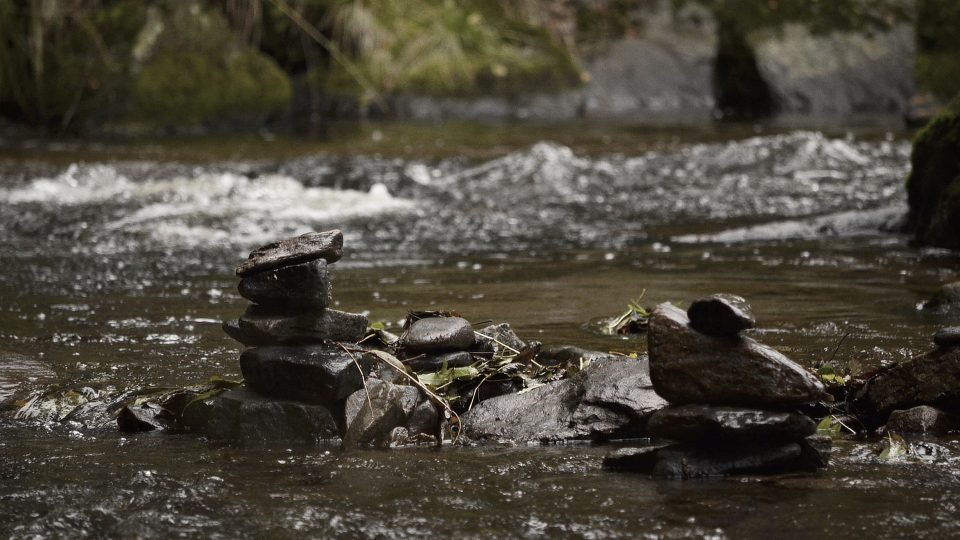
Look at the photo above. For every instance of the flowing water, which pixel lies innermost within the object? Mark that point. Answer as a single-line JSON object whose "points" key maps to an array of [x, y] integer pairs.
{"points": [[117, 268]]}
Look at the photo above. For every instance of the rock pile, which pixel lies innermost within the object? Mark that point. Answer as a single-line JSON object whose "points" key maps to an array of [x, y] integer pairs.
{"points": [[305, 375], [733, 400]]}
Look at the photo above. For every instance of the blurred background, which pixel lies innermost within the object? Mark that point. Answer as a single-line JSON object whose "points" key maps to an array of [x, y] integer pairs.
{"points": [[201, 66]]}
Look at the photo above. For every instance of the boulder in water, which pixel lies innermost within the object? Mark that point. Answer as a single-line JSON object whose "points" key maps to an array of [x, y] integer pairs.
{"points": [[243, 415], [721, 315], [933, 187], [312, 373], [948, 337], [326, 245], [929, 379], [373, 414], [946, 299], [687, 366], [922, 419], [298, 286]]}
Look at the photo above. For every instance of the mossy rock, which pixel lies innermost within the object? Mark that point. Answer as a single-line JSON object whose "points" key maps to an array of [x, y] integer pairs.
{"points": [[933, 187], [198, 74]]}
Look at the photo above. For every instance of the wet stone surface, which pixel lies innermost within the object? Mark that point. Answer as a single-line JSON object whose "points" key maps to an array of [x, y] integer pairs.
{"points": [[721, 315], [947, 337], [687, 366], [922, 419], [298, 286], [438, 334], [436, 362], [312, 373], [327, 245], [264, 326], [708, 424]]}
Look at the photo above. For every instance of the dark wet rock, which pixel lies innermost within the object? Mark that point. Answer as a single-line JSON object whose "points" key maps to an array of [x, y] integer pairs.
{"points": [[721, 315], [299, 286], [946, 299], [922, 419], [327, 245], [435, 362], [947, 337], [611, 396], [241, 414], [687, 366], [140, 418], [497, 339], [263, 326], [686, 461], [933, 187], [372, 413], [312, 373], [815, 452], [424, 420], [705, 423], [930, 379], [438, 334]]}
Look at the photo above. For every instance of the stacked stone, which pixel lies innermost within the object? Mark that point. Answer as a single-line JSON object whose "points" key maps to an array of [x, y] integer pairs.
{"points": [[733, 400]]}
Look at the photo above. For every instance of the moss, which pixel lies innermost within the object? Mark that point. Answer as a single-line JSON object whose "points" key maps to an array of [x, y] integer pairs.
{"points": [[199, 74], [933, 187], [938, 47]]}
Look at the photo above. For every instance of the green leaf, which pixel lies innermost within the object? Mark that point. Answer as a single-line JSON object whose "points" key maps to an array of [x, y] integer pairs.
{"points": [[447, 376], [378, 325], [830, 427], [894, 447]]}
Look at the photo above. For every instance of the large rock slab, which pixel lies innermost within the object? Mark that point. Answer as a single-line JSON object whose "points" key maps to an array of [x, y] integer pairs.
{"points": [[721, 315], [312, 373], [929, 379], [438, 334], [612, 396], [298, 286], [705, 423], [327, 245], [243, 415], [922, 419], [687, 366], [263, 326]]}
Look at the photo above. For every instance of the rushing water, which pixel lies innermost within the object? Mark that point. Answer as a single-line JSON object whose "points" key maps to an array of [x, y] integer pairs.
{"points": [[117, 270]]}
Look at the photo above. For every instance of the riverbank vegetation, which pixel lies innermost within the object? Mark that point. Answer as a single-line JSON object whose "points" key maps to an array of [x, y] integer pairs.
{"points": [[159, 65]]}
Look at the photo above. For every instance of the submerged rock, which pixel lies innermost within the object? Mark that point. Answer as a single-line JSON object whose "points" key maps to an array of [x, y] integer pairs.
{"points": [[930, 379], [438, 334], [691, 461], [327, 245], [946, 299], [611, 396], [687, 366], [243, 415], [146, 417], [263, 326], [721, 315], [436, 362], [704, 423], [922, 419], [947, 337], [312, 373], [299, 286]]}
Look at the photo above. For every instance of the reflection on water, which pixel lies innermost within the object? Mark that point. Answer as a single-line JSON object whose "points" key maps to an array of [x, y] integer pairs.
{"points": [[116, 275]]}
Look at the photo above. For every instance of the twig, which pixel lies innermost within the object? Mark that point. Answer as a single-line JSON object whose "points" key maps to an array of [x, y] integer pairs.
{"points": [[497, 341], [363, 376]]}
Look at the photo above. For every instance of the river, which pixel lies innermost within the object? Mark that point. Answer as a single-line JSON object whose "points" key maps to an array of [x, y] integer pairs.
{"points": [[117, 270]]}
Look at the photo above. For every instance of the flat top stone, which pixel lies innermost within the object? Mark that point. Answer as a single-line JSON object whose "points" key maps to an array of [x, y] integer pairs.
{"points": [[721, 315], [438, 334], [327, 245], [948, 337]]}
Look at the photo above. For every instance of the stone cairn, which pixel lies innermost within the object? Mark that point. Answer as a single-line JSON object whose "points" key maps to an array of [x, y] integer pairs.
{"points": [[733, 401], [305, 375]]}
